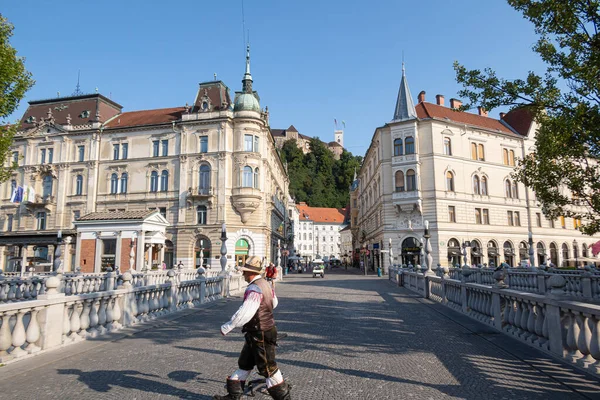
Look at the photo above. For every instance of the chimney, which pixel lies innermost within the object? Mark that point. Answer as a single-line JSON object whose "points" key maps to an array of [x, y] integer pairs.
{"points": [[421, 96], [502, 115], [455, 103], [439, 99], [482, 111]]}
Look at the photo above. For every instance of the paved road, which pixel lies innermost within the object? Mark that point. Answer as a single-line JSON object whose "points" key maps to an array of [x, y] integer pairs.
{"points": [[350, 337]]}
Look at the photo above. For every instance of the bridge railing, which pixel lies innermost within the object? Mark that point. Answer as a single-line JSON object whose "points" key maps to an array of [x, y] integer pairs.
{"points": [[555, 321], [56, 318]]}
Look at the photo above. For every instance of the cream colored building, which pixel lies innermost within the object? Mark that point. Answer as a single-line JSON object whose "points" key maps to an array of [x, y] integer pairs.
{"points": [[318, 232], [454, 170], [200, 166]]}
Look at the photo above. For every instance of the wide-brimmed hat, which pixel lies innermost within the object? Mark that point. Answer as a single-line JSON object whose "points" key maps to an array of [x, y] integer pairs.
{"points": [[253, 264]]}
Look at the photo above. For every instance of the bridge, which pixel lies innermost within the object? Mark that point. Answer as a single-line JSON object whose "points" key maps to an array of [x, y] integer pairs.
{"points": [[350, 337]]}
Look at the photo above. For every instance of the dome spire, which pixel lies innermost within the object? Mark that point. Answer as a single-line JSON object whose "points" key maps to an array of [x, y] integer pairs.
{"points": [[247, 81]]}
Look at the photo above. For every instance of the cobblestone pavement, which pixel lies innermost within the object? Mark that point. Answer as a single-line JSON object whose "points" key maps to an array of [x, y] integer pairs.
{"points": [[350, 337]]}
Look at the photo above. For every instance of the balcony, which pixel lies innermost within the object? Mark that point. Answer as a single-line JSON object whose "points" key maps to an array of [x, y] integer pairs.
{"points": [[246, 200], [199, 195], [40, 202]]}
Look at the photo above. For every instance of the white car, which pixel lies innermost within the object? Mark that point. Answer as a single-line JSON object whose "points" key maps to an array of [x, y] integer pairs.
{"points": [[319, 270]]}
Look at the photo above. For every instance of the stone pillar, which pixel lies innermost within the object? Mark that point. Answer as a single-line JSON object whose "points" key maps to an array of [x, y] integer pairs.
{"points": [[77, 252], [23, 253], [98, 255], [118, 252], [67, 266], [2, 257], [161, 258], [141, 242], [149, 255]]}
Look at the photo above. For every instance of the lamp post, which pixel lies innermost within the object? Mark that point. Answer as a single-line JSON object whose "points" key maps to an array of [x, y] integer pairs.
{"points": [[223, 248], [58, 253], [575, 251], [531, 252], [390, 254], [466, 244], [428, 249]]}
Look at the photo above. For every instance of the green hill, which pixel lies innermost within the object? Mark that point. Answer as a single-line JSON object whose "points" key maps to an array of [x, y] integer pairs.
{"points": [[317, 178]]}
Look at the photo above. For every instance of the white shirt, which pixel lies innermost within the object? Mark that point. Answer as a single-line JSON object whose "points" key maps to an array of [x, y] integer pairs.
{"points": [[252, 299]]}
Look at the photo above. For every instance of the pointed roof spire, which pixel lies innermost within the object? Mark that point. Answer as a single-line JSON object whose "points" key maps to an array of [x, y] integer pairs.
{"points": [[247, 81], [405, 107]]}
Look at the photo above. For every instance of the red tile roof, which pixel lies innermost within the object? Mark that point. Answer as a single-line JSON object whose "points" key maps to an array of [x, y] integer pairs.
{"points": [[146, 117], [321, 214], [428, 110], [519, 119]]}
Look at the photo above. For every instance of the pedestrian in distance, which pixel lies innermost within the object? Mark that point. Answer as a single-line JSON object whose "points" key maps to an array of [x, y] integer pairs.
{"points": [[255, 316], [271, 274]]}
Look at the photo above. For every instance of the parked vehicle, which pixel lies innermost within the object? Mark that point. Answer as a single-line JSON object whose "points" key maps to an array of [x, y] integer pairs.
{"points": [[319, 270]]}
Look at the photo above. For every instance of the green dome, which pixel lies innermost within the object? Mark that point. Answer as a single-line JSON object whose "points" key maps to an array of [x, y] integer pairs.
{"points": [[246, 102]]}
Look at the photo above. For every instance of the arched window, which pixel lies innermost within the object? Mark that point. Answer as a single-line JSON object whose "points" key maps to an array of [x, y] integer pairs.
{"points": [[541, 252], [505, 155], [476, 187], [154, 181], [47, 186], [411, 181], [553, 254], [201, 214], [565, 254], [124, 178], [484, 186], [247, 177], [447, 147], [512, 157], [398, 147], [507, 189], [584, 250], [474, 151], [480, 152], [449, 181], [204, 184], [164, 181], [410, 145], [114, 184], [515, 190], [78, 185], [399, 181], [256, 180]]}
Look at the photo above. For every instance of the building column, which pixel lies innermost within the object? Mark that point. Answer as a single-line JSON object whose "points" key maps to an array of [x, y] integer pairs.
{"points": [[139, 258], [23, 254], [149, 255], [161, 259], [77, 252], [118, 252], [2, 257], [98, 255], [67, 266]]}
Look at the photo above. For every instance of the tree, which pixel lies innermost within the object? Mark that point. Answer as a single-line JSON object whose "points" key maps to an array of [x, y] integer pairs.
{"points": [[563, 171], [14, 82]]}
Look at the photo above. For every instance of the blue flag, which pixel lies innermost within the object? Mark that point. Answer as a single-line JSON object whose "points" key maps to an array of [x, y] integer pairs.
{"points": [[17, 195]]}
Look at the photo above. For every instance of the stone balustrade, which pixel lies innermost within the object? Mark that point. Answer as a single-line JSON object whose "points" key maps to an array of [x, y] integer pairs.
{"points": [[553, 321], [92, 305]]}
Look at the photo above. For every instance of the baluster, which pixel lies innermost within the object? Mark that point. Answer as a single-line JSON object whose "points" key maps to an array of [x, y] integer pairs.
{"points": [[80, 284], [102, 316], [140, 306], [584, 338], [116, 313], [595, 343], [26, 290], [66, 322], [540, 321], [531, 320], [517, 318], [4, 288], [18, 335], [75, 322], [93, 332], [33, 331], [109, 313], [572, 334], [5, 337], [85, 319]]}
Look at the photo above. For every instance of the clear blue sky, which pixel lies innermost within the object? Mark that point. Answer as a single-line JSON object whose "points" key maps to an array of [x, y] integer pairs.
{"points": [[312, 61]]}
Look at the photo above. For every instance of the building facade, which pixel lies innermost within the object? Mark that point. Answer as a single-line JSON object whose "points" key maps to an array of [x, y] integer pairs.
{"points": [[201, 166], [319, 232], [453, 169]]}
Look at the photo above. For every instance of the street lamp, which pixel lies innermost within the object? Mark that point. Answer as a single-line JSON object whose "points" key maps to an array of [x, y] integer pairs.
{"points": [[466, 244], [531, 252], [575, 251]]}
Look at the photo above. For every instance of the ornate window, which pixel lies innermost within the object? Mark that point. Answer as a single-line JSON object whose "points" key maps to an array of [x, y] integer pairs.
{"points": [[116, 151], [41, 220], [411, 181], [480, 152], [512, 158], [203, 144], [201, 213], [155, 146], [476, 186], [154, 181], [256, 175], [125, 150], [164, 181], [449, 181], [114, 184], [247, 177], [410, 145], [124, 177], [447, 146], [398, 147], [515, 190], [47, 186], [204, 184], [507, 189], [474, 151], [505, 156], [80, 153], [484, 186], [165, 147], [79, 185]]}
